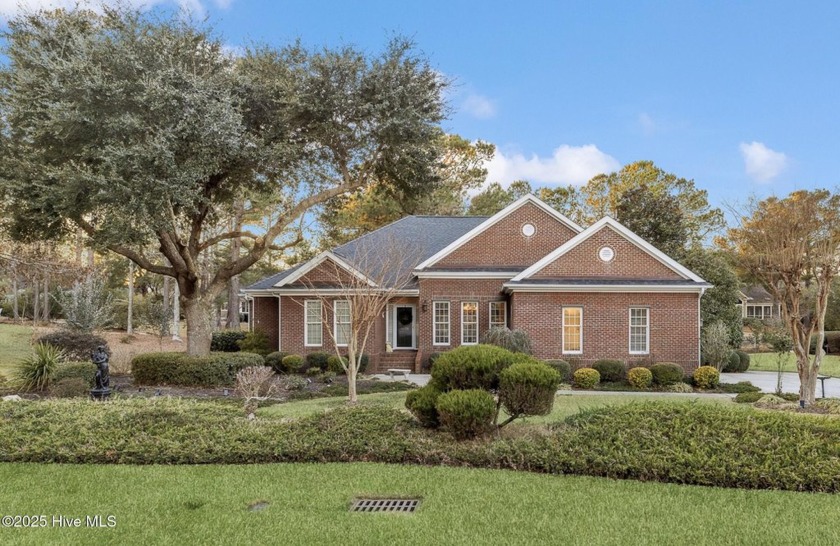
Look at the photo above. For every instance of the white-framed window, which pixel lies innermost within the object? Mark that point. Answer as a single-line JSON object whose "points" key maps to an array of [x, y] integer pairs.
{"points": [[498, 314], [341, 322], [639, 330], [469, 323], [572, 330], [759, 311], [440, 322], [313, 331]]}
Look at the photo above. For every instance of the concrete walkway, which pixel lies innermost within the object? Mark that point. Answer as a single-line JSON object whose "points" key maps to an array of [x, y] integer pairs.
{"points": [[766, 381], [419, 379]]}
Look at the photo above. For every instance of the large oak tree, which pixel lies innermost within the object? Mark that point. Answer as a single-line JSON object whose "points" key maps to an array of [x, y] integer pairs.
{"points": [[141, 130]]}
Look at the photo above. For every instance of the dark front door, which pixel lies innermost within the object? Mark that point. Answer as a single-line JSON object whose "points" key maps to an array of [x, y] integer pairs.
{"points": [[404, 327]]}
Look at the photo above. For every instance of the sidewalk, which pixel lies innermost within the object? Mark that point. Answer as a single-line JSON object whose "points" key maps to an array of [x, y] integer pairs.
{"points": [[766, 381]]}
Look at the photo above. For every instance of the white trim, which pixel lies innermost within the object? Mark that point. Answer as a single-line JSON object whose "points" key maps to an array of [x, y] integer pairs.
{"points": [[563, 330], [634, 288], [629, 235], [465, 274], [329, 292], [490, 305], [493, 220], [448, 323], [335, 323], [306, 323], [477, 330], [279, 323], [413, 307], [630, 330], [318, 260]]}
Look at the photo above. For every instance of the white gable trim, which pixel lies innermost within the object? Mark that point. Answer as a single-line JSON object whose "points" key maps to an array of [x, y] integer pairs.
{"points": [[629, 235], [623, 288], [318, 260], [493, 220]]}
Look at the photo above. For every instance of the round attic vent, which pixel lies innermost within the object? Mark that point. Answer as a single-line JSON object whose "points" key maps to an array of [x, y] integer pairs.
{"points": [[606, 254], [528, 230]]}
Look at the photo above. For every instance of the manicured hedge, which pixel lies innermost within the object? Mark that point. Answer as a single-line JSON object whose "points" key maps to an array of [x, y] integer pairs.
{"points": [[563, 368], [181, 369], [528, 388], [275, 361], [610, 370], [667, 373], [715, 445], [226, 341], [472, 367], [586, 378], [640, 378], [466, 414]]}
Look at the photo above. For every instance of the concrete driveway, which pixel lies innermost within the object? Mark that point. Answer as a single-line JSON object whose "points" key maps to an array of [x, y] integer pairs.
{"points": [[766, 381]]}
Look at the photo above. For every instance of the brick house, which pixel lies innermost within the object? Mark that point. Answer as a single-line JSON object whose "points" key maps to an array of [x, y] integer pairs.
{"points": [[581, 294]]}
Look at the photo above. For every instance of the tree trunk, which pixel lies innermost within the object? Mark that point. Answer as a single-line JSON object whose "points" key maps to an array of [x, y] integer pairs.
{"points": [[46, 299], [166, 281], [808, 384], [232, 321], [129, 327], [199, 325], [352, 370], [15, 308], [176, 313], [36, 301]]}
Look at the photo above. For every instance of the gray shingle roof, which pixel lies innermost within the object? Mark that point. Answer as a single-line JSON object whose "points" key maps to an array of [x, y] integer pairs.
{"points": [[612, 282], [423, 235]]}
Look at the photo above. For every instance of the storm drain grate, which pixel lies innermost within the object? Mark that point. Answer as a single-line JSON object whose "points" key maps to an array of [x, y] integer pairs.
{"points": [[385, 505]]}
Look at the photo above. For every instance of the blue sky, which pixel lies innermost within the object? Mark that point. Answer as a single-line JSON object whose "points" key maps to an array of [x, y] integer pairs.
{"points": [[740, 96]]}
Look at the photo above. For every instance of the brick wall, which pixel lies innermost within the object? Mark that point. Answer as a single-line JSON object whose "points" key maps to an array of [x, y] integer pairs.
{"points": [[266, 319], [503, 244], [673, 324], [629, 262]]}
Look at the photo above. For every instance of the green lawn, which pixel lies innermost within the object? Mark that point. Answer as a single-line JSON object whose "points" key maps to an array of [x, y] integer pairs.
{"points": [[767, 362], [14, 345], [308, 504], [564, 405]]}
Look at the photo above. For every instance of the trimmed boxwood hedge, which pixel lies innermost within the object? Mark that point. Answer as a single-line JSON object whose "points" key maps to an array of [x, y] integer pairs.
{"points": [[667, 373], [610, 370], [226, 341], [214, 370]]}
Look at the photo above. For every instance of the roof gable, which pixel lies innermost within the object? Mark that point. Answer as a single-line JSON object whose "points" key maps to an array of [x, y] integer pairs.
{"points": [[474, 234], [578, 257], [312, 265]]}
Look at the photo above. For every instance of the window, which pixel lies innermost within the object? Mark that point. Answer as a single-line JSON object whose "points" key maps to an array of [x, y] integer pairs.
{"points": [[313, 332], [441, 323], [572, 330], [759, 311], [639, 330], [469, 323], [341, 322], [498, 314]]}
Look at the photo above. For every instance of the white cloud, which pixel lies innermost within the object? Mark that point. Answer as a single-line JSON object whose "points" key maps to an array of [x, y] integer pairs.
{"points": [[10, 8], [479, 106], [761, 163], [648, 125], [567, 165]]}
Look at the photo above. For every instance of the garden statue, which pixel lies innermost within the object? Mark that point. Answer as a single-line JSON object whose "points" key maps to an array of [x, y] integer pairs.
{"points": [[102, 390]]}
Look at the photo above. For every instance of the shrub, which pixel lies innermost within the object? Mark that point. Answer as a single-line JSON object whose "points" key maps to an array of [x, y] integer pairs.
{"points": [[226, 341], [369, 387], [421, 403], [610, 370], [740, 386], [312, 372], [744, 363], [217, 369], [833, 340], [586, 378], [77, 346], [515, 341], [255, 342], [679, 387], [70, 387], [293, 363], [327, 377], [733, 363], [317, 360], [715, 343], [86, 371], [707, 377], [34, 372], [528, 388], [466, 413], [363, 363], [641, 378], [275, 361], [252, 384], [431, 362], [88, 306], [563, 368], [667, 373], [293, 383], [748, 397], [471, 367], [334, 364]]}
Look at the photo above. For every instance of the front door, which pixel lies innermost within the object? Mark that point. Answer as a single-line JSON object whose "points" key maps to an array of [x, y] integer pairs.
{"points": [[403, 327]]}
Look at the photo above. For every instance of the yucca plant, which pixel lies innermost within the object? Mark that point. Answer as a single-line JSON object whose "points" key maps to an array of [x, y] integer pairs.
{"points": [[34, 372]]}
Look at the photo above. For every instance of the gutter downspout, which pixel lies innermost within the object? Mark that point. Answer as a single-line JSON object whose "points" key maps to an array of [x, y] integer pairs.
{"points": [[700, 329]]}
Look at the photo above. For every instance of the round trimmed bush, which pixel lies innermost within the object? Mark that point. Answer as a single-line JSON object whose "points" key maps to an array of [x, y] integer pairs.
{"points": [[77, 346], [679, 387], [466, 413], [471, 367], [528, 388], [733, 363], [275, 361], [293, 363], [641, 378], [563, 368], [226, 341], [610, 370], [313, 371], [707, 377], [317, 360], [748, 397], [744, 357], [586, 378], [334, 364], [86, 371], [667, 373], [421, 403]]}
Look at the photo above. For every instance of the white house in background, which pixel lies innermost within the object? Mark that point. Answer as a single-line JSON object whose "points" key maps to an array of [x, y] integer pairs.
{"points": [[757, 303]]}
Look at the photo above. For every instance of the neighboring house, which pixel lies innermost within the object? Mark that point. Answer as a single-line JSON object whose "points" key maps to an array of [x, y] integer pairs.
{"points": [[757, 303], [580, 294]]}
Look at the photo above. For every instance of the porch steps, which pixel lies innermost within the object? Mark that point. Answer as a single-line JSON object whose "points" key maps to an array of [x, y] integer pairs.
{"points": [[397, 359]]}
